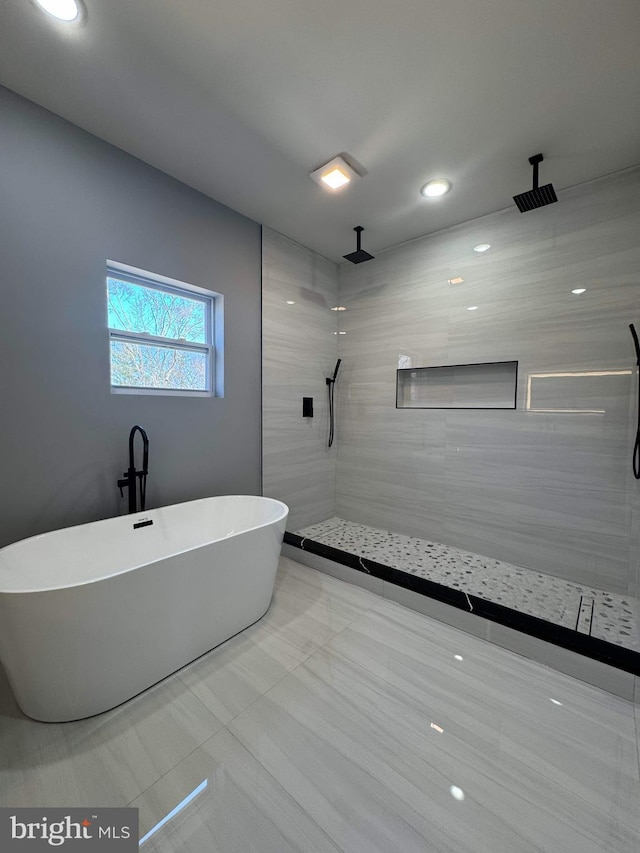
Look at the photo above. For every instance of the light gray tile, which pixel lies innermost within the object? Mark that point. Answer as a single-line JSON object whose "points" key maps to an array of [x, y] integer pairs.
{"points": [[545, 535], [360, 756], [111, 758], [583, 726], [235, 674], [241, 808], [578, 666], [340, 753], [637, 715], [592, 671], [329, 567], [307, 609], [333, 592], [461, 619], [538, 487], [299, 350]]}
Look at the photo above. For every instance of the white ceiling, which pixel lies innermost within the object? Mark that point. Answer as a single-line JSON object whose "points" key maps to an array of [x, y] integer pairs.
{"points": [[242, 99]]}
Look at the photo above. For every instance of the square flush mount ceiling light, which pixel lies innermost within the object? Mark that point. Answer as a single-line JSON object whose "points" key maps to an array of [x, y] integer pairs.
{"points": [[335, 174]]}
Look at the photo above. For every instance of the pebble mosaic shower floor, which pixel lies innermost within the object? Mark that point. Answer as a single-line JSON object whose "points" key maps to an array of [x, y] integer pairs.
{"points": [[601, 614]]}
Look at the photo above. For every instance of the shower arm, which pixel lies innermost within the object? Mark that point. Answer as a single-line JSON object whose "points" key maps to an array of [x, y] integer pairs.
{"points": [[535, 161]]}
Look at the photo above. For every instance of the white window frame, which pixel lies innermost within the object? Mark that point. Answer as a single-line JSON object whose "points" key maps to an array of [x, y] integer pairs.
{"points": [[213, 331]]}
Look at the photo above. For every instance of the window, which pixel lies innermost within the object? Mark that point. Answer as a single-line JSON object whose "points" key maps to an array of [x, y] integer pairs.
{"points": [[161, 334]]}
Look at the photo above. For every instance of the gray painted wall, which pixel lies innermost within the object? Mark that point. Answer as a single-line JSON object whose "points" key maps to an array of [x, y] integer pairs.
{"points": [[547, 486], [299, 352], [69, 202]]}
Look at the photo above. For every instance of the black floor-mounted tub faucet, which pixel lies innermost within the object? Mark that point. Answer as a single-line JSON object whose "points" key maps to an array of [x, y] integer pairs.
{"points": [[131, 475]]}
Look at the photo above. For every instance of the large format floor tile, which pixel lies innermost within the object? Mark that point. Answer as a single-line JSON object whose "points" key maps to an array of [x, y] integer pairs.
{"points": [[308, 609], [345, 722], [109, 759], [363, 758], [569, 732], [240, 807]]}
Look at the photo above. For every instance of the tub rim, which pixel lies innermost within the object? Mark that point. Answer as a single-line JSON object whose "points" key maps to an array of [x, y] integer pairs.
{"points": [[284, 511]]}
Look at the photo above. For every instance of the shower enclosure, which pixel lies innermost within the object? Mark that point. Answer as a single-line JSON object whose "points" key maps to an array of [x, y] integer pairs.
{"points": [[524, 508]]}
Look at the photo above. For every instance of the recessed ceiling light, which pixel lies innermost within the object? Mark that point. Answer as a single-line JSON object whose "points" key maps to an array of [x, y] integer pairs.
{"points": [[63, 10], [555, 702], [434, 189], [335, 174], [338, 308], [458, 657], [437, 728], [456, 793], [482, 247], [457, 280], [290, 302], [579, 290], [472, 308]]}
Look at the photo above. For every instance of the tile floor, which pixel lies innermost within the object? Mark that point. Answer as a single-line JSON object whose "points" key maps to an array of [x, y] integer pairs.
{"points": [[343, 721], [611, 617]]}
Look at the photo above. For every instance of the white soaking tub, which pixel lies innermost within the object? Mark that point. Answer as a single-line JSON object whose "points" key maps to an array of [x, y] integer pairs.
{"points": [[92, 615]]}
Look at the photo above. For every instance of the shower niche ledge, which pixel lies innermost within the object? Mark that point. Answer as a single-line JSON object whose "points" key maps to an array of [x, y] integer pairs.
{"points": [[488, 385]]}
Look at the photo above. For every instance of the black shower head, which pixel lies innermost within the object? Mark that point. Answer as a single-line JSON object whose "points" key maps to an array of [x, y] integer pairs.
{"points": [[538, 196], [359, 255]]}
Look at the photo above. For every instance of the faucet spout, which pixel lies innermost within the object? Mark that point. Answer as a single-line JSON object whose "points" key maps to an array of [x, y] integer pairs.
{"points": [[145, 448]]}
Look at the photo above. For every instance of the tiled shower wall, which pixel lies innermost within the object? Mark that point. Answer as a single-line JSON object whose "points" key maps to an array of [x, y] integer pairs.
{"points": [[547, 485], [299, 352]]}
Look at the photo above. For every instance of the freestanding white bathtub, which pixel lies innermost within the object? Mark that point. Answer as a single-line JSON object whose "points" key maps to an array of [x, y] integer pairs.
{"points": [[92, 615]]}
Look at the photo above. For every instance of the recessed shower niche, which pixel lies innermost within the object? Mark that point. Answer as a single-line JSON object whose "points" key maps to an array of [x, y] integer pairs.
{"points": [[491, 385]]}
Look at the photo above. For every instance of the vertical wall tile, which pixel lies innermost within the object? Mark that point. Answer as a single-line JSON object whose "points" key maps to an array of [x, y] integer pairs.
{"points": [[299, 352], [547, 485]]}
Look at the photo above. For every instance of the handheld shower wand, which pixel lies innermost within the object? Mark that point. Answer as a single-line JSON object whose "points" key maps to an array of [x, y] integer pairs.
{"points": [[636, 446], [331, 382]]}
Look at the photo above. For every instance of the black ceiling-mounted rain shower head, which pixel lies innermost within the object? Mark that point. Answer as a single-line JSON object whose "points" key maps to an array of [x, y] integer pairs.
{"points": [[538, 196], [359, 255]]}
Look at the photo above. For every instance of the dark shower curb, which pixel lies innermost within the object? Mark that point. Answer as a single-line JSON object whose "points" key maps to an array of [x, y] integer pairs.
{"points": [[566, 638]]}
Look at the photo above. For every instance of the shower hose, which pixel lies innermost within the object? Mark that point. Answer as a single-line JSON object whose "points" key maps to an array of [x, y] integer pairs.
{"points": [[332, 385], [636, 446]]}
